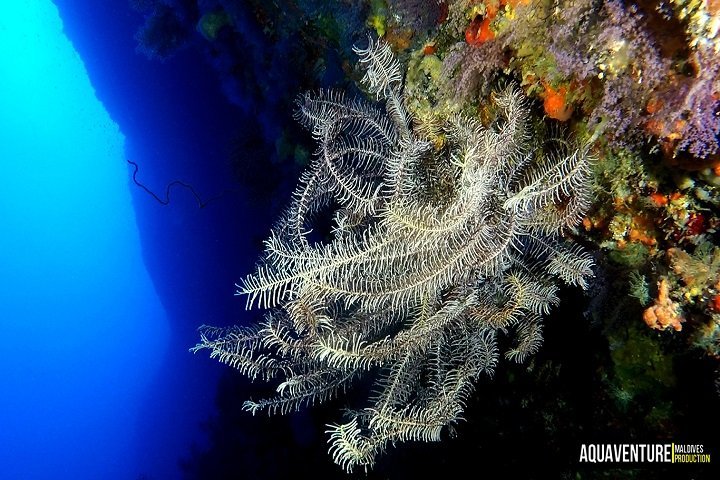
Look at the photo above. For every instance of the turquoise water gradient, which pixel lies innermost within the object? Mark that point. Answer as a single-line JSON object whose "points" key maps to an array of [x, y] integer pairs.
{"points": [[82, 332]]}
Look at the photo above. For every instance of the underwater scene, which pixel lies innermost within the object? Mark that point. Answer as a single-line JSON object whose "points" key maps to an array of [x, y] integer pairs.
{"points": [[380, 239]]}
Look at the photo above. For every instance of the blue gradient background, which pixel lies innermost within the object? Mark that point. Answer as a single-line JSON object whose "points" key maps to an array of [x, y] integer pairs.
{"points": [[101, 287], [83, 329]]}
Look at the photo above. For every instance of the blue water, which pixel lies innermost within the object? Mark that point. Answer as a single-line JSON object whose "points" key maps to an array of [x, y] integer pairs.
{"points": [[83, 330], [97, 382]]}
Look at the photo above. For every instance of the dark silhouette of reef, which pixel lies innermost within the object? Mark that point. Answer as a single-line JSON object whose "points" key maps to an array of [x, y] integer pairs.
{"points": [[528, 421]]}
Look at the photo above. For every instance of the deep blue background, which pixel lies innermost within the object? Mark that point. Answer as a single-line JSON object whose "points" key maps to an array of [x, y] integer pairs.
{"points": [[178, 125], [104, 286]]}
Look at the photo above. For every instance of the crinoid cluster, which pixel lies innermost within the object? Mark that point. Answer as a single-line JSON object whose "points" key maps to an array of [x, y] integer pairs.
{"points": [[437, 249]]}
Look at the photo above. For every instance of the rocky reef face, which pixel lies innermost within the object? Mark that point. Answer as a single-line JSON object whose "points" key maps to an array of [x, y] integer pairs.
{"points": [[637, 82]]}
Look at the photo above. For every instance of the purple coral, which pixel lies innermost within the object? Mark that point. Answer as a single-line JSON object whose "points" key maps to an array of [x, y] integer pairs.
{"points": [[632, 68], [571, 42], [700, 108], [469, 69]]}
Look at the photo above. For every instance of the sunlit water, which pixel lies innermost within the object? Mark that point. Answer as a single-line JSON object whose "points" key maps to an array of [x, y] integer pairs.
{"points": [[83, 332]]}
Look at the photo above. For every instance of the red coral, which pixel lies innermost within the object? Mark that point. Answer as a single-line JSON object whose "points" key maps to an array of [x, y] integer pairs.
{"points": [[715, 303], [555, 103], [695, 224], [478, 31]]}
